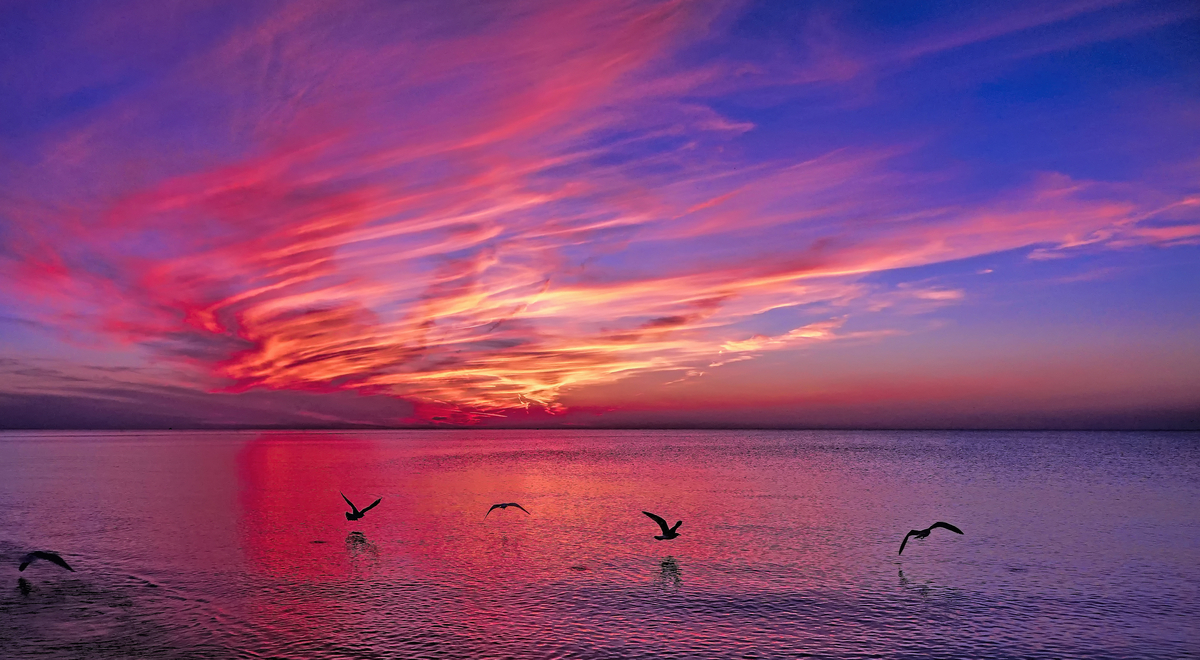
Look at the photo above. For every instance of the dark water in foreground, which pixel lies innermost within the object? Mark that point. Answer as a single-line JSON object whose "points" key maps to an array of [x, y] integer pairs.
{"points": [[187, 545]]}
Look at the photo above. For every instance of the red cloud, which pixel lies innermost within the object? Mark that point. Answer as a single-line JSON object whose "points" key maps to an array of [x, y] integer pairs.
{"points": [[441, 215]]}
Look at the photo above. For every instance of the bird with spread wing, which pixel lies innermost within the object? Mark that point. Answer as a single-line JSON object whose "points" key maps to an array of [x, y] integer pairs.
{"points": [[355, 514], [668, 533], [922, 533], [504, 506], [51, 557]]}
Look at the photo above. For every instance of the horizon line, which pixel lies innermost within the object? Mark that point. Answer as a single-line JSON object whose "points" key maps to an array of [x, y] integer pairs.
{"points": [[684, 427]]}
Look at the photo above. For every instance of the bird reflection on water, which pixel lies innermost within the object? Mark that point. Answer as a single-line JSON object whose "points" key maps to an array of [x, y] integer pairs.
{"points": [[908, 585], [24, 586], [447, 584], [358, 545], [933, 592], [669, 574]]}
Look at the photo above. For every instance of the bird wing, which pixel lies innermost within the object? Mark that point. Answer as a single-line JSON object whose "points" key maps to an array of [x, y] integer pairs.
{"points": [[494, 507], [371, 505], [55, 559], [905, 541], [520, 507], [945, 525], [661, 523], [48, 556], [348, 501]]}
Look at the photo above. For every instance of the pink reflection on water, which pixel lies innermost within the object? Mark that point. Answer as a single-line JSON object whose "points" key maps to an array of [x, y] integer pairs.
{"points": [[585, 536], [789, 544]]}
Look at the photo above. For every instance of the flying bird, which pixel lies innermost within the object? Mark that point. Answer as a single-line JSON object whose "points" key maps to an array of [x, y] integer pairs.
{"points": [[922, 533], [668, 533], [356, 514], [51, 557], [504, 506]]}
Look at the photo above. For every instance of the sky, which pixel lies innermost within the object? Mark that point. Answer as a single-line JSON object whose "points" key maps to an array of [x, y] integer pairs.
{"points": [[600, 213]]}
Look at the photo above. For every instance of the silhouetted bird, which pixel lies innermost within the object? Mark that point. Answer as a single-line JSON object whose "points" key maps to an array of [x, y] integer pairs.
{"points": [[504, 506], [922, 533], [51, 557], [668, 533], [356, 514]]}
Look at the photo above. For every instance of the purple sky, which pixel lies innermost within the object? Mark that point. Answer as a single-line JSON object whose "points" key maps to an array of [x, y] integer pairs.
{"points": [[936, 214]]}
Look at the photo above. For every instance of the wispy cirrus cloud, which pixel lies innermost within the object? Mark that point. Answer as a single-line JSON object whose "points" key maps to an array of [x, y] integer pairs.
{"points": [[480, 211]]}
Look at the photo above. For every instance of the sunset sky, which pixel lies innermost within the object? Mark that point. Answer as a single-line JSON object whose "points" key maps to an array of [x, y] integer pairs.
{"points": [[600, 213]]}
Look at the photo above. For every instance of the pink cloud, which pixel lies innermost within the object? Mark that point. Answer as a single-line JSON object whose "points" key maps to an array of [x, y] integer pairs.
{"points": [[431, 215]]}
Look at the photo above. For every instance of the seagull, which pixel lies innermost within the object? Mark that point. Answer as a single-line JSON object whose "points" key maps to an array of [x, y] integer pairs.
{"points": [[922, 533], [356, 514], [504, 506], [51, 557], [668, 532]]}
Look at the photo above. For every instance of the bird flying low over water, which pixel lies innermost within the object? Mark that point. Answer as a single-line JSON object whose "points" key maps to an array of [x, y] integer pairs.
{"points": [[504, 506], [922, 533], [51, 557], [668, 533], [356, 514]]}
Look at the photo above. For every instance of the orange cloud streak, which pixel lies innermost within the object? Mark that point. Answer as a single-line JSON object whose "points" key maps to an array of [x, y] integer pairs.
{"points": [[460, 248]]}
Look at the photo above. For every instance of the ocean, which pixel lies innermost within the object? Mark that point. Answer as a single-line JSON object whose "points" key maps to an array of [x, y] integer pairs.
{"points": [[235, 544]]}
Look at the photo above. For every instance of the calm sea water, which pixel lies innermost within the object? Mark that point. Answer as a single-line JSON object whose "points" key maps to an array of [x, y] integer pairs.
{"points": [[223, 545]]}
